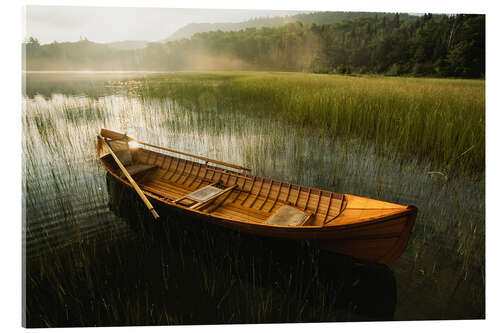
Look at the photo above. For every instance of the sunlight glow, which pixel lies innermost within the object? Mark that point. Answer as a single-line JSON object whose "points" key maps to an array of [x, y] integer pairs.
{"points": [[133, 144]]}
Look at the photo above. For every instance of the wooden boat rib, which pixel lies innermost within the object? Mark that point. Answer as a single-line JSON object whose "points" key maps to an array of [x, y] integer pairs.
{"points": [[344, 223]]}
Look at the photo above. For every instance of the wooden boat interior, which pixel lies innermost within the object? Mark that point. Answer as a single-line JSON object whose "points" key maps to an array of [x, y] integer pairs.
{"points": [[239, 196]]}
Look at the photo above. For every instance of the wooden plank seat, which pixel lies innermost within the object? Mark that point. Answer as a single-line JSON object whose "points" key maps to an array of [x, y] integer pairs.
{"points": [[288, 215], [121, 150], [200, 194], [123, 153], [205, 195], [138, 168]]}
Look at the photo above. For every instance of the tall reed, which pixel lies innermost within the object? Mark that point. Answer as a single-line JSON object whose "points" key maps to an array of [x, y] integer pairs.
{"points": [[437, 120]]}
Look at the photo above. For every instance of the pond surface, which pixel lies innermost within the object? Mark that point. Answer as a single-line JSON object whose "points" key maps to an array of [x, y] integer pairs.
{"points": [[87, 262]]}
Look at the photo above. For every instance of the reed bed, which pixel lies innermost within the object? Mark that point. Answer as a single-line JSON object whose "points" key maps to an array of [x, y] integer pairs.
{"points": [[438, 120]]}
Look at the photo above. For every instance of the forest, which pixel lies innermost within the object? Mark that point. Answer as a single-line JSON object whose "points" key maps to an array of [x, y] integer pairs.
{"points": [[326, 17], [396, 44]]}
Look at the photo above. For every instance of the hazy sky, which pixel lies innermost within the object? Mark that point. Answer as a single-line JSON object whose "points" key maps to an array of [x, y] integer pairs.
{"points": [[109, 24]]}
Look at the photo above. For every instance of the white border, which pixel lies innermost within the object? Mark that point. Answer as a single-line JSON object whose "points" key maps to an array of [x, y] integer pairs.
{"points": [[10, 311]]}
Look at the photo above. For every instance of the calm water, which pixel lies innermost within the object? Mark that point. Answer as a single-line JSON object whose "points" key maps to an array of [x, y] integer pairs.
{"points": [[76, 222]]}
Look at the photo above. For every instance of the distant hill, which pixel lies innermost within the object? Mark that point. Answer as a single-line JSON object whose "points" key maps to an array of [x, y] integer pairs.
{"points": [[128, 44], [316, 17], [189, 30]]}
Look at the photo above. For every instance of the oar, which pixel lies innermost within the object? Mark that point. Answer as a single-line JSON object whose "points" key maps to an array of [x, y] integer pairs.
{"points": [[134, 184], [115, 135]]}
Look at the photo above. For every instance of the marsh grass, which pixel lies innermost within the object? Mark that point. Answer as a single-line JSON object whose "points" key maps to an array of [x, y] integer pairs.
{"points": [[89, 265], [439, 120]]}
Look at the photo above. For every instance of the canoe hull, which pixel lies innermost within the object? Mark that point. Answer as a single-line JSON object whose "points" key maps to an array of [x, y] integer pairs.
{"points": [[381, 236], [381, 240]]}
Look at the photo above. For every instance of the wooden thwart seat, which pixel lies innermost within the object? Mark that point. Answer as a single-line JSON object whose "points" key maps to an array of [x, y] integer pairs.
{"points": [[200, 194], [138, 168], [122, 152], [288, 215], [204, 195]]}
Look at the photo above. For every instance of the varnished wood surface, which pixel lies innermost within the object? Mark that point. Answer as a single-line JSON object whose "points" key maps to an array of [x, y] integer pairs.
{"points": [[132, 182], [362, 227]]}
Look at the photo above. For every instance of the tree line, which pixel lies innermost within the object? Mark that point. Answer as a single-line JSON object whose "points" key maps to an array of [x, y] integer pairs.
{"points": [[326, 17], [399, 44]]}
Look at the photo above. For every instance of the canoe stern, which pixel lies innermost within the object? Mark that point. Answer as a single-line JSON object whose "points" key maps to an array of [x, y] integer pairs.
{"points": [[382, 240]]}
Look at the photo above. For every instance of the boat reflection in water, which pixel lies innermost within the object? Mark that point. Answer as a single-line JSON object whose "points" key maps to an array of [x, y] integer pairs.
{"points": [[207, 274]]}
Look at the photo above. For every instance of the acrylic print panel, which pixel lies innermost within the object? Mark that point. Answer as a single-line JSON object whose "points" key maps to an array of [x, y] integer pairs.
{"points": [[351, 118]]}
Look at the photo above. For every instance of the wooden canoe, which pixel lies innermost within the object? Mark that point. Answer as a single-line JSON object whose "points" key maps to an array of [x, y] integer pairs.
{"points": [[213, 192]]}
